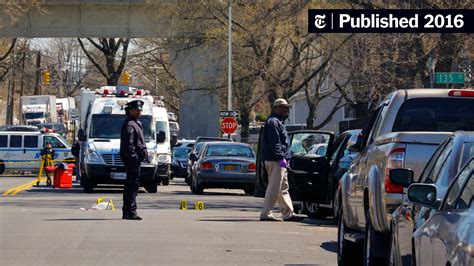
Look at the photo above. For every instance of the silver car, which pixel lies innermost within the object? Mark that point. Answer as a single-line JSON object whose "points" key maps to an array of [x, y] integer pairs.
{"points": [[447, 238], [440, 170]]}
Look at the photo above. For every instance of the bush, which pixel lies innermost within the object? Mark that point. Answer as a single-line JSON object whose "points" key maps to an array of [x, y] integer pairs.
{"points": [[261, 118]]}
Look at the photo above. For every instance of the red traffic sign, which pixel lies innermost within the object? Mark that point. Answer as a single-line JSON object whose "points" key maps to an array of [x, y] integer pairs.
{"points": [[229, 125]]}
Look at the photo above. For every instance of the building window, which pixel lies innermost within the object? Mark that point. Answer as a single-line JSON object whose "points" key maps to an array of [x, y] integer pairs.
{"points": [[349, 112]]}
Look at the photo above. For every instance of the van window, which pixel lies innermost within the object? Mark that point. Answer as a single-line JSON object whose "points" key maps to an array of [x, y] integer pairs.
{"points": [[31, 142], [55, 142], [15, 141], [3, 141]]}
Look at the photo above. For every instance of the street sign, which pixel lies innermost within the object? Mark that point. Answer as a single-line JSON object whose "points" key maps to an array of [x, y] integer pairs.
{"points": [[73, 114], [229, 125], [449, 77], [228, 113]]}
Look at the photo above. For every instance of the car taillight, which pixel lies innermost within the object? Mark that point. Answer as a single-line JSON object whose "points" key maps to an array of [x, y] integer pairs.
{"points": [[252, 167], [206, 165], [396, 159], [461, 93]]}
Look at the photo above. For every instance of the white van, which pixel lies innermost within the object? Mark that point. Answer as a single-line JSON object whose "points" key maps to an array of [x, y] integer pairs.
{"points": [[22, 150], [163, 149]]}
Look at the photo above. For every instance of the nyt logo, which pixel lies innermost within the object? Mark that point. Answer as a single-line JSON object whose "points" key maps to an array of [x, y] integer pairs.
{"points": [[319, 21]]}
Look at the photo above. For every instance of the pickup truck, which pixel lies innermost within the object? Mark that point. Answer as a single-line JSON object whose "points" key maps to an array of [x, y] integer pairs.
{"points": [[404, 132]]}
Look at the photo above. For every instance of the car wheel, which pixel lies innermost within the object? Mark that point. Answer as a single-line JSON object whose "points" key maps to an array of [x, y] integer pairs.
{"points": [[198, 188], [347, 251], [373, 245], [166, 181], [152, 188], [2, 168], [192, 186], [249, 191], [314, 211], [88, 186]]}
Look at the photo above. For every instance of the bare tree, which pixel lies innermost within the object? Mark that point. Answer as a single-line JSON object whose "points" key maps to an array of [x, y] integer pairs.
{"points": [[108, 48]]}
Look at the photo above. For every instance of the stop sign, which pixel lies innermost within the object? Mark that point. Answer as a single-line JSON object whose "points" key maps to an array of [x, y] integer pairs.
{"points": [[229, 125]]}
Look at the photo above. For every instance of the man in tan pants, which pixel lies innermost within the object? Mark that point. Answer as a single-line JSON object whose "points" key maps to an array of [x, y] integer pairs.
{"points": [[275, 151]]}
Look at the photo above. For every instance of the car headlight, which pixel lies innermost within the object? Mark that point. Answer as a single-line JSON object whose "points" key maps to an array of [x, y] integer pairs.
{"points": [[93, 156], [164, 158], [152, 156]]}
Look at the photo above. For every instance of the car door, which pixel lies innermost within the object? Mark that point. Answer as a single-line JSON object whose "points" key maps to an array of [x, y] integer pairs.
{"points": [[432, 239], [308, 174], [31, 153]]}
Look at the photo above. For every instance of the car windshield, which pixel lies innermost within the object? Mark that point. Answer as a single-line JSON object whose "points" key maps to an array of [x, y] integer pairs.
{"points": [[109, 126], [436, 114], [59, 127], [229, 151], [180, 153], [34, 115], [174, 126]]}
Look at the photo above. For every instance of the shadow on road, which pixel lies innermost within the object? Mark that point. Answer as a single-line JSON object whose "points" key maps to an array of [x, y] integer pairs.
{"points": [[80, 219], [230, 220], [329, 246], [317, 222]]}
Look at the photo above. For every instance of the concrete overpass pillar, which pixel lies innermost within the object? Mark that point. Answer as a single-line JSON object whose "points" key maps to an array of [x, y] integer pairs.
{"points": [[200, 69]]}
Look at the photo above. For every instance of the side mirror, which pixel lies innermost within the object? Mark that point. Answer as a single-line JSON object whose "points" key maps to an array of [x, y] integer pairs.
{"points": [[355, 142], [160, 137], [193, 157], [402, 177], [424, 194], [81, 135]]}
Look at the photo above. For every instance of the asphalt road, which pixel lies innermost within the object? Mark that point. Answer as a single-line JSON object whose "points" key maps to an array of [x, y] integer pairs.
{"points": [[45, 226]]}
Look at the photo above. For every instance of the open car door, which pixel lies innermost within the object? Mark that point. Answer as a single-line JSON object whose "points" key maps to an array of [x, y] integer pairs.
{"points": [[308, 176]]}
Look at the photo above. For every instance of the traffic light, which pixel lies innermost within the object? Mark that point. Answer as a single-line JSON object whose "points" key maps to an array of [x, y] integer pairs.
{"points": [[46, 77], [125, 79]]}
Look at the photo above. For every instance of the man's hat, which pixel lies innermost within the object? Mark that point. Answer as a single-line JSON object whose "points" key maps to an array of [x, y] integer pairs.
{"points": [[279, 102], [137, 104]]}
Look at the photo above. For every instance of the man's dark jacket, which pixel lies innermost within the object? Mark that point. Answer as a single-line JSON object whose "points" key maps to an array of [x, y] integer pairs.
{"points": [[275, 143], [132, 142]]}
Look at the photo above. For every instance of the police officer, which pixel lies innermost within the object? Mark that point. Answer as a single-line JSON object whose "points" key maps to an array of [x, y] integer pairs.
{"points": [[133, 152]]}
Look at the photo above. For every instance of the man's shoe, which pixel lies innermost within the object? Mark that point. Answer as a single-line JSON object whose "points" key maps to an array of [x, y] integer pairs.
{"points": [[131, 217], [269, 219], [294, 218]]}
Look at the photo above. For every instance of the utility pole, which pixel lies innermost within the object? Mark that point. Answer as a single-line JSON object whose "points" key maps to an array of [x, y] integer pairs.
{"points": [[38, 73], [229, 76]]}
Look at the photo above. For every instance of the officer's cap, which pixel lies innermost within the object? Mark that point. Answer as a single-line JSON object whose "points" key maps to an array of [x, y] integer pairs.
{"points": [[137, 104]]}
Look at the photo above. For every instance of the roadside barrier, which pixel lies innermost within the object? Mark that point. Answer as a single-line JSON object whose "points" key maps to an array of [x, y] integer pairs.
{"points": [[198, 205]]}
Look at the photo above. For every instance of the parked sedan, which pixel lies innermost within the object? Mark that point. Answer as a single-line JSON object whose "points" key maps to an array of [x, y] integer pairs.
{"points": [[223, 165], [447, 237], [440, 171], [179, 161]]}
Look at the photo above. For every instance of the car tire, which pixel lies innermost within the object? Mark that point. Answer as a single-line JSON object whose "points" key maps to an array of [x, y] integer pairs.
{"points": [[346, 250], [198, 188], [88, 186], [166, 181], [249, 191], [374, 245], [152, 188], [313, 211]]}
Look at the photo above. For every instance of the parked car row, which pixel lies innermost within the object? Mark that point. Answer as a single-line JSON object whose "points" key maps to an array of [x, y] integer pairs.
{"points": [[366, 180]]}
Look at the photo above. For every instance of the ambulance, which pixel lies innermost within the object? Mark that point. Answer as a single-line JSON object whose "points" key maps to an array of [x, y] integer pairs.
{"points": [[163, 149], [102, 116], [22, 150]]}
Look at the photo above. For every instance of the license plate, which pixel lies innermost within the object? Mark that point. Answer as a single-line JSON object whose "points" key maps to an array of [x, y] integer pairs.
{"points": [[118, 176], [230, 167]]}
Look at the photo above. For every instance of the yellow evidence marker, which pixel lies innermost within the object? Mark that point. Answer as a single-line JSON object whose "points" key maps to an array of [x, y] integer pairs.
{"points": [[184, 205]]}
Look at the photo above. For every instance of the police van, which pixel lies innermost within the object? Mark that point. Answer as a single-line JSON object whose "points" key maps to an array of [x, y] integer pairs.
{"points": [[22, 150], [163, 148], [102, 116]]}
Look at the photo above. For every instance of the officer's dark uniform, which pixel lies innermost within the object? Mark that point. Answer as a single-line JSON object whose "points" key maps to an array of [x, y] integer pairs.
{"points": [[133, 152]]}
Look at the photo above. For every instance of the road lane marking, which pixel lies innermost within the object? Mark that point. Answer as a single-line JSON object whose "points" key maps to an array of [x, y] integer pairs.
{"points": [[17, 189]]}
